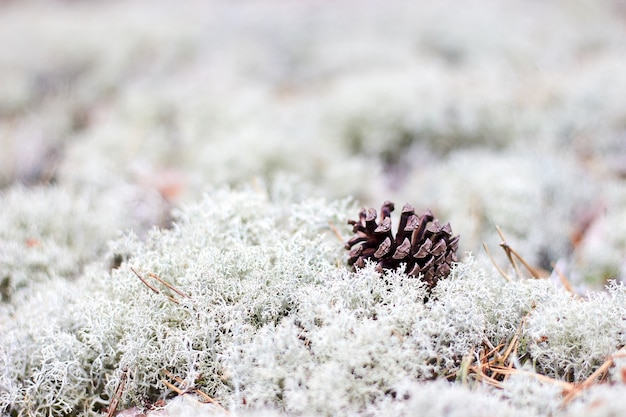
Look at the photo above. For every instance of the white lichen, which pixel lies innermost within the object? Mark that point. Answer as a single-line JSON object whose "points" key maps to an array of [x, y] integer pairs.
{"points": [[275, 320]]}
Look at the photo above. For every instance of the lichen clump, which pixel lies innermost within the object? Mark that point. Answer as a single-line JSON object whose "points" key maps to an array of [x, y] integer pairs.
{"points": [[266, 321], [426, 248]]}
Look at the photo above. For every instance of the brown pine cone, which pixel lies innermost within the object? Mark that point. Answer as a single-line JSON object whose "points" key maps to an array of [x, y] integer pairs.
{"points": [[421, 243]]}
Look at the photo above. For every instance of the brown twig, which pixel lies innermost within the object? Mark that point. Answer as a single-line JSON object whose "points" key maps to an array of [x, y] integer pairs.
{"points": [[172, 387], [491, 361], [118, 393], [144, 281], [530, 268], [510, 371], [180, 391], [168, 285], [156, 290], [174, 377], [570, 390], [495, 367], [511, 348], [512, 255], [510, 252], [397, 334], [598, 375]]}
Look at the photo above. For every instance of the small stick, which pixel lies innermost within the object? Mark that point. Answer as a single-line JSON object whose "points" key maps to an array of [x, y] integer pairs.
{"points": [[153, 288], [508, 250], [589, 381], [491, 381], [494, 351], [509, 371], [174, 377], [619, 354], [602, 369], [513, 345], [488, 344], [168, 285], [172, 387], [207, 398], [397, 334], [178, 379], [118, 393], [144, 281], [530, 269]]}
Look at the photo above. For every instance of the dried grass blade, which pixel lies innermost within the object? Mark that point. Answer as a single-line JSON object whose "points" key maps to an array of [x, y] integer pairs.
{"points": [[504, 275], [168, 285], [146, 283], [530, 268], [336, 232], [207, 398], [512, 346], [567, 386], [154, 289], [507, 250], [172, 387], [564, 281], [118, 393], [592, 379]]}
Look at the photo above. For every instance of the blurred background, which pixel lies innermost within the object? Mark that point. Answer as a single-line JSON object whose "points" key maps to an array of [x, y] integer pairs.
{"points": [[488, 112]]}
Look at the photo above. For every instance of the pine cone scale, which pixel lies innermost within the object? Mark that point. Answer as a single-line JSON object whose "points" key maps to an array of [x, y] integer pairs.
{"points": [[403, 250], [421, 244], [383, 248]]}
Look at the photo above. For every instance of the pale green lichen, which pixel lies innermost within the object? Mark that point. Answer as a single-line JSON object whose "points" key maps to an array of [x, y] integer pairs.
{"points": [[53, 232], [275, 319], [408, 102]]}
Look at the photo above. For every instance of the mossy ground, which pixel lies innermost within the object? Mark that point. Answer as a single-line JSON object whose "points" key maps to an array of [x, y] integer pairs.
{"points": [[222, 146]]}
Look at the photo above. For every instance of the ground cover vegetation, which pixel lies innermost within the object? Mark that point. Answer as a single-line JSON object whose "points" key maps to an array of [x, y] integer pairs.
{"points": [[176, 185]]}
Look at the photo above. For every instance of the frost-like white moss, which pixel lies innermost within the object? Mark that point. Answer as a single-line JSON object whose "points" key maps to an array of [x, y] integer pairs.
{"points": [[535, 397], [536, 200], [274, 320], [571, 337], [379, 101], [240, 259], [601, 254], [51, 232], [46, 233]]}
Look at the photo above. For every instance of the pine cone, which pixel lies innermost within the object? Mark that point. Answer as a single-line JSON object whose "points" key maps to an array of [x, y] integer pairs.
{"points": [[426, 247]]}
